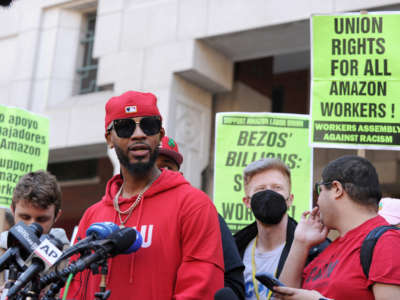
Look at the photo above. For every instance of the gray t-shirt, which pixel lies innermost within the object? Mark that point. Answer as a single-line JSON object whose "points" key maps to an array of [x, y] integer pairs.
{"points": [[265, 262]]}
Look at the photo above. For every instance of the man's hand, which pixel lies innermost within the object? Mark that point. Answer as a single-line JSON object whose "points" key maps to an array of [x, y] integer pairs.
{"points": [[310, 231], [287, 293]]}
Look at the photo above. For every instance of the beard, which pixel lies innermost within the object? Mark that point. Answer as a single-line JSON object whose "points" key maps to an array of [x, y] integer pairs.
{"points": [[139, 168]]}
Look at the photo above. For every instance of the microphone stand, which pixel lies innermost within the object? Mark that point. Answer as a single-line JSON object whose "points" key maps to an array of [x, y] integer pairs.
{"points": [[54, 289], [33, 292], [12, 277], [103, 294], [30, 292]]}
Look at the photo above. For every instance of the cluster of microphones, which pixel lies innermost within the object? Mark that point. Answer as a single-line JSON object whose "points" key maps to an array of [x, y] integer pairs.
{"points": [[34, 260]]}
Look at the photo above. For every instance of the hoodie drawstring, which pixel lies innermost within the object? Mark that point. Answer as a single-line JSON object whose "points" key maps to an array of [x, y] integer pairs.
{"points": [[110, 260], [132, 262], [132, 267]]}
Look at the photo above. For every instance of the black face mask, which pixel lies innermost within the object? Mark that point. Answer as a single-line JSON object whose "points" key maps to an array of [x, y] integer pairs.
{"points": [[268, 206]]}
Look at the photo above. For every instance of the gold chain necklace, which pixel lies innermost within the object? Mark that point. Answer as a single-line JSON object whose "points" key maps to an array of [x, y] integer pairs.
{"points": [[132, 207]]}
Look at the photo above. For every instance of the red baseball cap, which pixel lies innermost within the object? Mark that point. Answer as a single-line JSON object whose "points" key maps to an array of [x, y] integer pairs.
{"points": [[169, 147], [129, 105]]}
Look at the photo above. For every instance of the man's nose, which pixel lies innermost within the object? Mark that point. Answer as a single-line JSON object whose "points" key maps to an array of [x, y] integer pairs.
{"points": [[138, 132]]}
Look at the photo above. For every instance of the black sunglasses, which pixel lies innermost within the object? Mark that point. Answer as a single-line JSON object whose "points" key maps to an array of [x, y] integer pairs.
{"points": [[317, 186], [126, 127]]}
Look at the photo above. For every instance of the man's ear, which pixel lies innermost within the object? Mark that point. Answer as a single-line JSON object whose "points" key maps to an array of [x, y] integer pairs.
{"points": [[162, 133], [108, 140], [338, 189], [246, 200], [289, 201]]}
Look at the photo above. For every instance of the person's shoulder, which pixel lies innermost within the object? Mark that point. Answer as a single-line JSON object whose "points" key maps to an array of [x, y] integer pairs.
{"points": [[174, 187], [249, 229], [244, 236], [391, 237], [183, 188], [194, 198]]}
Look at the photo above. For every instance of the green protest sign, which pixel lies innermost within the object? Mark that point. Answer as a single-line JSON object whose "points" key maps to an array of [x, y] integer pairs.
{"points": [[24, 147], [245, 137], [355, 86]]}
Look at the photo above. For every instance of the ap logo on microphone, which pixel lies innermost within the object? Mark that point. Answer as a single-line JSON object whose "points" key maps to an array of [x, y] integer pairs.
{"points": [[48, 252]]}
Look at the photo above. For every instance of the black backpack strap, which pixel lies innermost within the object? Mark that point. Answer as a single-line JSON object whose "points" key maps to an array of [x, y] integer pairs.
{"points": [[368, 245]]}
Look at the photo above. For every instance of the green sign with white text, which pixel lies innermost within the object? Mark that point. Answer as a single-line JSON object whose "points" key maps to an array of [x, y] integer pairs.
{"points": [[245, 137], [24, 147], [355, 90]]}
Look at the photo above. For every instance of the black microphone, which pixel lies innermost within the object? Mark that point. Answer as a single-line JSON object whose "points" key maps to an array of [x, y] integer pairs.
{"points": [[42, 258], [96, 231], [22, 240], [225, 293], [118, 242]]}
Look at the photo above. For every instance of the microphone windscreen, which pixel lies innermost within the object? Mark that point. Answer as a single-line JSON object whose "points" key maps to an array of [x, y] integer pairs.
{"points": [[101, 230], [225, 293], [136, 245]]}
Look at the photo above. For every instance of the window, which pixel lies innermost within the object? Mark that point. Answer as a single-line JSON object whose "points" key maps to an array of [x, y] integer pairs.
{"points": [[88, 70]]}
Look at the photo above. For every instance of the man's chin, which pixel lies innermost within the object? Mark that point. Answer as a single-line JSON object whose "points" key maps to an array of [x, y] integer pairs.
{"points": [[139, 167], [139, 160]]}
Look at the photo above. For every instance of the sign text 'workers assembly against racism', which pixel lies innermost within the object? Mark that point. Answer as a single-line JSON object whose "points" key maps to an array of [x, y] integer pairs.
{"points": [[355, 81]]}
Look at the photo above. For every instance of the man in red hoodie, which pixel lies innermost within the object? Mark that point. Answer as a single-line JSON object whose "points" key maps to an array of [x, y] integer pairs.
{"points": [[181, 255]]}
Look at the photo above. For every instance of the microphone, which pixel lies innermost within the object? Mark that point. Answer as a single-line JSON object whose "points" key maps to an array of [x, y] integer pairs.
{"points": [[225, 293], [22, 240], [123, 241], [136, 244], [116, 243], [41, 259], [96, 231]]}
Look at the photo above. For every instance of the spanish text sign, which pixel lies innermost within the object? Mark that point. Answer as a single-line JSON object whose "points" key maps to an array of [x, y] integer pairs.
{"points": [[24, 147], [245, 137], [355, 81]]}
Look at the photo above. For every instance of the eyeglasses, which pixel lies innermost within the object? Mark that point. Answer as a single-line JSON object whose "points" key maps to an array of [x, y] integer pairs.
{"points": [[318, 186], [126, 127]]}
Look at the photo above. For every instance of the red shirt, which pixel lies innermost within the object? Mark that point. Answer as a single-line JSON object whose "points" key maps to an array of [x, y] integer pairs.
{"points": [[181, 255], [337, 273]]}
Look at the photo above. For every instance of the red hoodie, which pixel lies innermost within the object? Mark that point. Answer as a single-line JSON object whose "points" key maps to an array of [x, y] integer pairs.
{"points": [[181, 256]]}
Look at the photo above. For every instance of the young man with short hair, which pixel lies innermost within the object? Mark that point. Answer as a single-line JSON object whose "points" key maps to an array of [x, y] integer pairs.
{"points": [[265, 244], [181, 256], [349, 193], [37, 199]]}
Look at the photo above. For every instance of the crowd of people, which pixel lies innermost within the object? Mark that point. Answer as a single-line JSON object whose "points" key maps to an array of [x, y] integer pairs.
{"points": [[188, 251]]}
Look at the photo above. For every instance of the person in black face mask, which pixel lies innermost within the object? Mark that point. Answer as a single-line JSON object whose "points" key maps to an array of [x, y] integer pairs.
{"points": [[265, 244], [268, 206]]}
